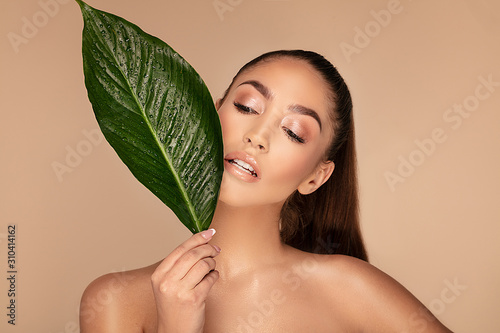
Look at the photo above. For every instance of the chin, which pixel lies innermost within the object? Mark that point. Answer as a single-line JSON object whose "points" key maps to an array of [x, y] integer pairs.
{"points": [[238, 194], [240, 200]]}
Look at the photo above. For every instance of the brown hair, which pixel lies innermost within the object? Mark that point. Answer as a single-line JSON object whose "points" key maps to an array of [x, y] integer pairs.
{"points": [[327, 220]]}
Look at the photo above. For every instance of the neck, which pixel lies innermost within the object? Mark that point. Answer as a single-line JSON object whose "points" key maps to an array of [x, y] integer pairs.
{"points": [[249, 238]]}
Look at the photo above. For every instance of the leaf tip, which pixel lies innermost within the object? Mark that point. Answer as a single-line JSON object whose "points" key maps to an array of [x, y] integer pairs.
{"points": [[83, 6]]}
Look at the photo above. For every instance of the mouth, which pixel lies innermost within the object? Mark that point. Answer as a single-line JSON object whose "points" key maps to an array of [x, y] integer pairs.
{"points": [[242, 166], [245, 167]]}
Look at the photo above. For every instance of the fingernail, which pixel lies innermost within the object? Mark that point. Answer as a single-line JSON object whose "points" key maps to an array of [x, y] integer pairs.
{"points": [[207, 234], [216, 248]]}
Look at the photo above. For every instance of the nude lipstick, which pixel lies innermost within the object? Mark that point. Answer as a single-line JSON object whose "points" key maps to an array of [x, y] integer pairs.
{"points": [[242, 166]]}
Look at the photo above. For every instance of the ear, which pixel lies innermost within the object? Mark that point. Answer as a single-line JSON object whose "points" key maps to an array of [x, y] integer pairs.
{"points": [[317, 178], [218, 103]]}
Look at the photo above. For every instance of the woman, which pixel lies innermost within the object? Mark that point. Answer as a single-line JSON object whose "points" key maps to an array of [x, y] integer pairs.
{"points": [[288, 255]]}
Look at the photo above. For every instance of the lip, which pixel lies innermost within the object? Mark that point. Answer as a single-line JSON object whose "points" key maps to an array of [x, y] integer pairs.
{"points": [[237, 171]]}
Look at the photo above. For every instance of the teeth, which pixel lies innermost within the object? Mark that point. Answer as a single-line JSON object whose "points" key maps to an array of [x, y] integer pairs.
{"points": [[247, 167], [243, 165]]}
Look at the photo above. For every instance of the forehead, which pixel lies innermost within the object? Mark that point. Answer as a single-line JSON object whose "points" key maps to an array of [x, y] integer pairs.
{"points": [[288, 77]]}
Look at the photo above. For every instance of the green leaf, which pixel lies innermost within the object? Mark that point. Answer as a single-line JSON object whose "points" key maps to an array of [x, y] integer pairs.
{"points": [[157, 114]]}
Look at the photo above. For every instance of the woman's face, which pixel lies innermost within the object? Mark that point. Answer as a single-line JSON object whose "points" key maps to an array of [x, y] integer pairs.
{"points": [[276, 129]]}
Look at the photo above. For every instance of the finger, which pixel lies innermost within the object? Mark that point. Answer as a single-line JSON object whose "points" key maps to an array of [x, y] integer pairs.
{"points": [[207, 283], [185, 263], [198, 272], [192, 242]]}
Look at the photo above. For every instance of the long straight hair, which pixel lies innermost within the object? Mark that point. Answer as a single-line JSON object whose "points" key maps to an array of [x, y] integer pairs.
{"points": [[327, 220]]}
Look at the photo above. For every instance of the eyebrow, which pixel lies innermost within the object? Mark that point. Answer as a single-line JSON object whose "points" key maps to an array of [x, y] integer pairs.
{"points": [[264, 91], [305, 111]]}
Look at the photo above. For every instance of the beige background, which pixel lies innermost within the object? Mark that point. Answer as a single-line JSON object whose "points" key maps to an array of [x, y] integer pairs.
{"points": [[438, 227]]}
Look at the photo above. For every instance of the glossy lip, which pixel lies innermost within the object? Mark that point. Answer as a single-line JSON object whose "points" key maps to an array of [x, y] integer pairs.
{"points": [[236, 171]]}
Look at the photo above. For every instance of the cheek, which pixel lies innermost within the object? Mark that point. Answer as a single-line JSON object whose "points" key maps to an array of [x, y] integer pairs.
{"points": [[293, 168], [229, 126]]}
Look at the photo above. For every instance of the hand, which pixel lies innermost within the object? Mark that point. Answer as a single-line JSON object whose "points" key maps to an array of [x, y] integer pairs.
{"points": [[181, 284]]}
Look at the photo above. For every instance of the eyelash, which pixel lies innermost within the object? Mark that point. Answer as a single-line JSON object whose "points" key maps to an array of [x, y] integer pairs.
{"points": [[292, 136], [244, 109], [289, 133]]}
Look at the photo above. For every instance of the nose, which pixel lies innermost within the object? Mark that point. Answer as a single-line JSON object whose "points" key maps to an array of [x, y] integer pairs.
{"points": [[254, 143], [258, 138]]}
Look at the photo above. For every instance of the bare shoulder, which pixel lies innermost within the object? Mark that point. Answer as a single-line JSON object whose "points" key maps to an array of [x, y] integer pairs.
{"points": [[118, 302], [375, 301]]}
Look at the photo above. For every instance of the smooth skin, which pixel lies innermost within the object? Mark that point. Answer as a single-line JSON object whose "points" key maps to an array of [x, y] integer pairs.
{"points": [[242, 278]]}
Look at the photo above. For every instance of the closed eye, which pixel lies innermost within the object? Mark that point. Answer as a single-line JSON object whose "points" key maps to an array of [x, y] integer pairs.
{"points": [[244, 109], [292, 136]]}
